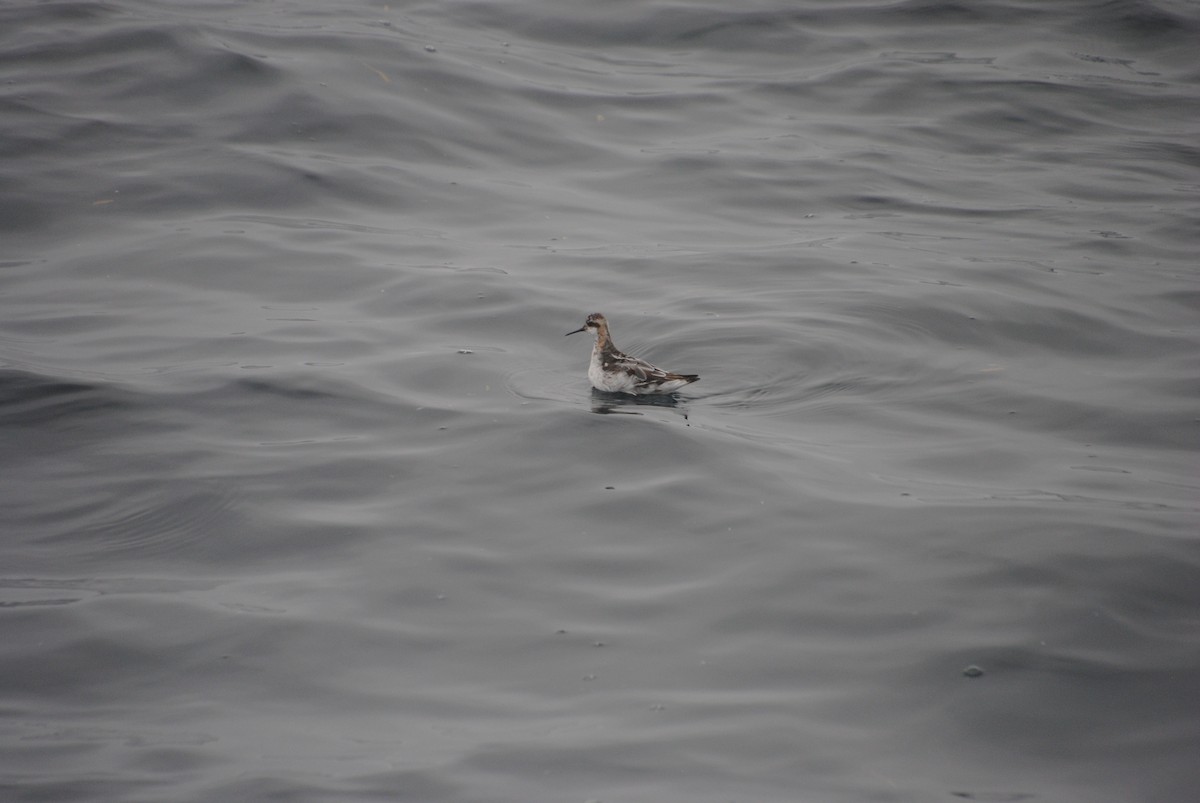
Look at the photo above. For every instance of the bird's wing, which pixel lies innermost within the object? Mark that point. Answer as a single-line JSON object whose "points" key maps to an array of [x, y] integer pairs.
{"points": [[647, 374], [640, 368]]}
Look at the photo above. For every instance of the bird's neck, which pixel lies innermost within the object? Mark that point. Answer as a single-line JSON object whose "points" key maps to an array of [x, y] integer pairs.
{"points": [[604, 341]]}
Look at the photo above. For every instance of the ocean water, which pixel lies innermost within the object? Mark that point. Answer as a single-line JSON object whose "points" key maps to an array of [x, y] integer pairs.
{"points": [[306, 497]]}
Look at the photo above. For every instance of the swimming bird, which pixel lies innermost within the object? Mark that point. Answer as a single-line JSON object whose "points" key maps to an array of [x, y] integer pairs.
{"points": [[614, 371]]}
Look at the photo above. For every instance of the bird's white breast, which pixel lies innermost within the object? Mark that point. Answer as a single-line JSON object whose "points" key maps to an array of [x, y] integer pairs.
{"points": [[613, 382]]}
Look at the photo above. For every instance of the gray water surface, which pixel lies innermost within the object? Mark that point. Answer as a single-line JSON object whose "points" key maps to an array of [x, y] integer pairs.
{"points": [[306, 498]]}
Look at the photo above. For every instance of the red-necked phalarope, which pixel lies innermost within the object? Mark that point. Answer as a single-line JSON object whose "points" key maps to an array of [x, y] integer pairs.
{"points": [[614, 371]]}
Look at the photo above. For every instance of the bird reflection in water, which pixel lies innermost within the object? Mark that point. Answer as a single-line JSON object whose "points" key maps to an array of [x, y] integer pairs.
{"points": [[605, 403]]}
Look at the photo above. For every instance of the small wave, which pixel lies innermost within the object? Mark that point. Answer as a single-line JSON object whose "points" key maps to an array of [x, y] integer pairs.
{"points": [[544, 384], [153, 523], [31, 399]]}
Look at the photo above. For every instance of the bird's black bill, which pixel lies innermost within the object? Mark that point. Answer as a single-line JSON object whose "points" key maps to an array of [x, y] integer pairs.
{"points": [[577, 331]]}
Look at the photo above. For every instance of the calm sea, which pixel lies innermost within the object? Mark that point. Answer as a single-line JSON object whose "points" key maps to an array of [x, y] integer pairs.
{"points": [[304, 496]]}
